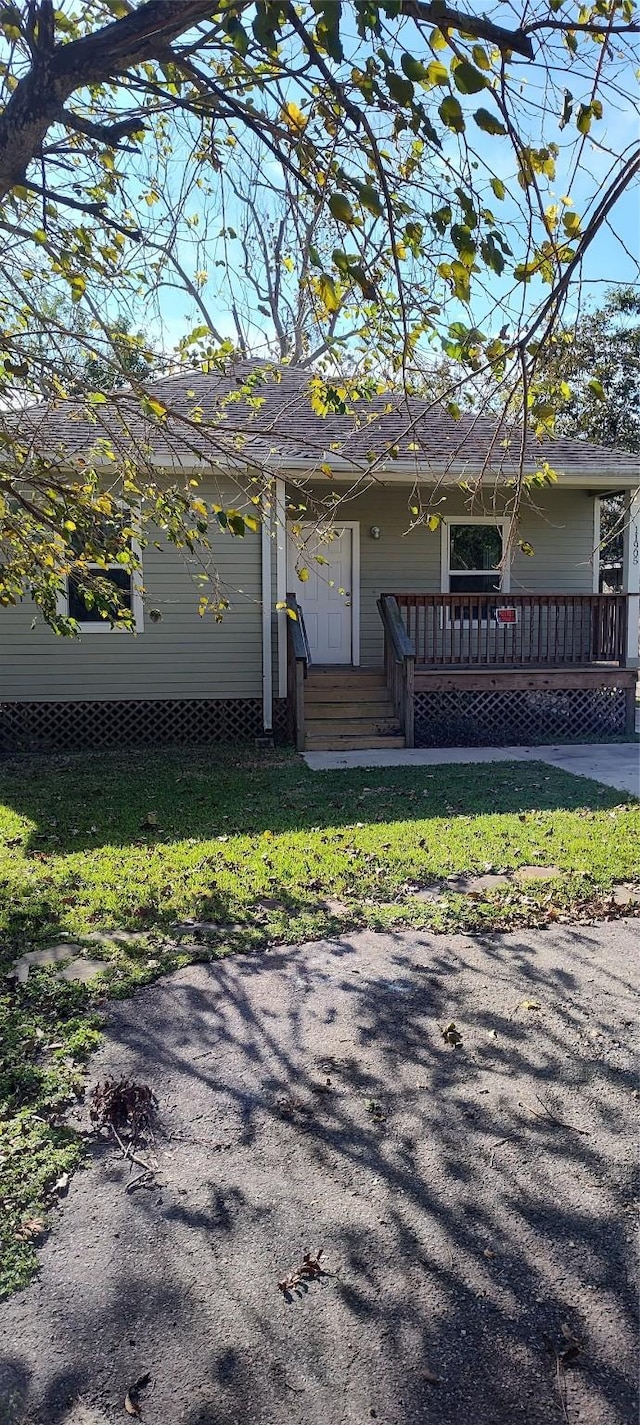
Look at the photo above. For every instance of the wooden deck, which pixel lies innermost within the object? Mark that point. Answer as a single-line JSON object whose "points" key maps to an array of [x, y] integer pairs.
{"points": [[560, 657], [507, 677], [515, 630], [534, 664]]}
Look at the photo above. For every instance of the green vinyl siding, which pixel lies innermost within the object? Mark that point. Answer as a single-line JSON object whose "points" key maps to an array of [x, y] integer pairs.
{"points": [[556, 522], [180, 656], [183, 656]]}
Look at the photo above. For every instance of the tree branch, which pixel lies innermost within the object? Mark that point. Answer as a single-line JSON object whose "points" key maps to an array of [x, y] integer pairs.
{"points": [[95, 210], [588, 27], [39, 98], [143, 36], [109, 134], [444, 18]]}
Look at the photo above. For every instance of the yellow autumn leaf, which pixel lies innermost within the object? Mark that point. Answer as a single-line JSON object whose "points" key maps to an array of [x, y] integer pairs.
{"points": [[150, 404], [294, 118], [328, 292]]}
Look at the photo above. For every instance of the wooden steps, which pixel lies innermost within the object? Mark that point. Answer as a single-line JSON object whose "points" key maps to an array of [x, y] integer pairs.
{"points": [[330, 708], [348, 709], [359, 743]]}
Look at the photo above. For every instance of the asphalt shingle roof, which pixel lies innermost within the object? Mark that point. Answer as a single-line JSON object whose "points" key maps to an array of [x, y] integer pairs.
{"points": [[206, 421]]}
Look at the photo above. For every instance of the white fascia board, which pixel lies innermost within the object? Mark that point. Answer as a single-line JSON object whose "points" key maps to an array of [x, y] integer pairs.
{"points": [[402, 473]]}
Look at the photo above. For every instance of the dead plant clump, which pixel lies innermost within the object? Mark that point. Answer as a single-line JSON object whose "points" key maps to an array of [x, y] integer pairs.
{"points": [[124, 1108]]}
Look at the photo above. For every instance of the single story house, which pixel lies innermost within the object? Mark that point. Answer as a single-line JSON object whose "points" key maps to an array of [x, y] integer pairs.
{"points": [[419, 611]]}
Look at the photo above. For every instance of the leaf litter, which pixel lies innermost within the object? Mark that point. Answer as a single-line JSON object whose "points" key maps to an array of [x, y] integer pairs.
{"points": [[296, 1281], [451, 1035], [132, 1398], [126, 1109]]}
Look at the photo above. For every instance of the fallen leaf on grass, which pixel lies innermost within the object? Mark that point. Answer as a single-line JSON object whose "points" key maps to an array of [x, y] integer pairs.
{"points": [[31, 1227], [451, 1035]]}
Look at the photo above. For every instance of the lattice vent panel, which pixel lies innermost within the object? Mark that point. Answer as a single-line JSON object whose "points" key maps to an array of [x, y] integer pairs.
{"points": [[41, 727], [476, 719]]}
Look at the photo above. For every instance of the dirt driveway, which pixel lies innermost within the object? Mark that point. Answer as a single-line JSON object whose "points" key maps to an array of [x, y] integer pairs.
{"points": [[474, 1203]]}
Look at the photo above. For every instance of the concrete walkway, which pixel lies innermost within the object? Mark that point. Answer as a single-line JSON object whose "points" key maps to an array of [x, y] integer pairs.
{"points": [[616, 764]]}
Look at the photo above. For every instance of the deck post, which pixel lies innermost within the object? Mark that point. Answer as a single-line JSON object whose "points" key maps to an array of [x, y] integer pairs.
{"points": [[631, 574], [409, 703], [299, 705], [297, 661]]}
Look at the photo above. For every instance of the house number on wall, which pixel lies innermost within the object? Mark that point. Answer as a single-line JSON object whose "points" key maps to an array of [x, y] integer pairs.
{"points": [[635, 558]]}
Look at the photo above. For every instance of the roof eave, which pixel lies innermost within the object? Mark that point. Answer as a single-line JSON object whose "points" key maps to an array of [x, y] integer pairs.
{"points": [[400, 470]]}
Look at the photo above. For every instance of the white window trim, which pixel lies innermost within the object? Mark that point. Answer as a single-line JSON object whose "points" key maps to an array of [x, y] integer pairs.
{"points": [[631, 572], [137, 601], [354, 526], [502, 523]]}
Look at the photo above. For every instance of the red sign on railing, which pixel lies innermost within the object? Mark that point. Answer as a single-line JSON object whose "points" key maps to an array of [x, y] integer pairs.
{"points": [[506, 615]]}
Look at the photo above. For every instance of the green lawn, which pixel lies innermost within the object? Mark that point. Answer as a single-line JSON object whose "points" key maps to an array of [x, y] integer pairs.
{"points": [[256, 845]]}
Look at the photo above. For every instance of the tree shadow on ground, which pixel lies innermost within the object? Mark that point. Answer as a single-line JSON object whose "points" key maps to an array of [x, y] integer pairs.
{"points": [[198, 805], [85, 801], [473, 1203]]}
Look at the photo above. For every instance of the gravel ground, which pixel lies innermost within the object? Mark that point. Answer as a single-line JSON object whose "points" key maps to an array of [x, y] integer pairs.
{"points": [[474, 1204]]}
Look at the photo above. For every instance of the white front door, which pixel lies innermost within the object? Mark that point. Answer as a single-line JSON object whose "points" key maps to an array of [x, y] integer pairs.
{"points": [[326, 596]]}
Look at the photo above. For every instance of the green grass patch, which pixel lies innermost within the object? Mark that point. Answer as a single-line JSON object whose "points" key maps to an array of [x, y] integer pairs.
{"points": [[259, 847]]}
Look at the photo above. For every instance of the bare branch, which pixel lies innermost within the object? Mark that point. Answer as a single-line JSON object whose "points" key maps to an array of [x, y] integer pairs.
{"points": [[95, 210], [109, 134]]}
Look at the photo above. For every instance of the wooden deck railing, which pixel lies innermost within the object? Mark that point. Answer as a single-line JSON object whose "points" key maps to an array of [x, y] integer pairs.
{"points": [[298, 660], [543, 630], [399, 665]]}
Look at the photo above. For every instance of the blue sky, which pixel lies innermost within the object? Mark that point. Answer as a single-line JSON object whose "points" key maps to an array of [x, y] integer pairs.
{"points": [[613, 256]]}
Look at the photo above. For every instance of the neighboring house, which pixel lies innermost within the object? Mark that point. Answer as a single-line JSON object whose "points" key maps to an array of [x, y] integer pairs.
{"points": [[458, 634]]}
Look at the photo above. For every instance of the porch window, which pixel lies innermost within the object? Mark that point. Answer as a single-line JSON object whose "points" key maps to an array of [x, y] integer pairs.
{"points": [[474, 559]]}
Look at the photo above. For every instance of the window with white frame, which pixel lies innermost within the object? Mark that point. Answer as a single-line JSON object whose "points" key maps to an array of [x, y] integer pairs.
{"points": [[473, 563], [77, 603]]}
